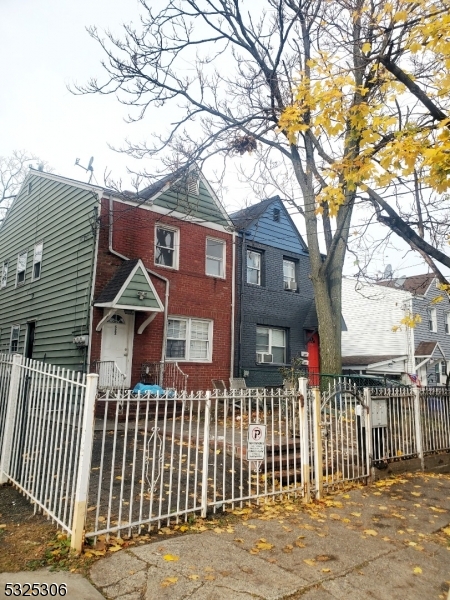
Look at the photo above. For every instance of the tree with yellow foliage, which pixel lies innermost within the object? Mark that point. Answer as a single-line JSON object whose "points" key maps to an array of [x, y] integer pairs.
{"points": [[352, 97]]}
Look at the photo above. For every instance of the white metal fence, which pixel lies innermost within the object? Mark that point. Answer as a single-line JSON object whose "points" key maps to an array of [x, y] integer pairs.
{"points": [[5, 379], [45, 433], [145, 461], [157, 459]]}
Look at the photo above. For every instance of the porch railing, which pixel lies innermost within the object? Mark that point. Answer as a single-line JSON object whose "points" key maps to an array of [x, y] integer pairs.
{"points": [[110, 377], [166, 374]]}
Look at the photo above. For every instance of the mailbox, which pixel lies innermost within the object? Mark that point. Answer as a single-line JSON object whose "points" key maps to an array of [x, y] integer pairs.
{"points": [[379, 412]]}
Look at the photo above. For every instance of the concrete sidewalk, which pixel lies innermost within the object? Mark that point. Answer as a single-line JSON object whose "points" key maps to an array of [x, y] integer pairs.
{"points": [[382, 541]]}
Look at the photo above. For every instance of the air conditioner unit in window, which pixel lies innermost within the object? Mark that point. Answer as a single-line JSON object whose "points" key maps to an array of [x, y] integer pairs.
{"points": [[290, 285], [264, 357]]}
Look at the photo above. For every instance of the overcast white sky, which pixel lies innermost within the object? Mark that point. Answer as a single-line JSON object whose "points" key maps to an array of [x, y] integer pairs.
{"points": [[44, 47]]}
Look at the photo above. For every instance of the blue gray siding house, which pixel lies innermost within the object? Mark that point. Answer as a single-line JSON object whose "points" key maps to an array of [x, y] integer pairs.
{"points": [[431, 337], [275, 301]]}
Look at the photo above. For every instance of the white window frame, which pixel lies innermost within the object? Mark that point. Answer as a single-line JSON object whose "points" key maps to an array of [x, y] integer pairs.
{"points": [[33, 278], [447, 323], [188, 321], [214, 258], [249, 250], [287, 278], [432, 320], [271, 330], [176, 245], [13, 329], [4, 279], [20, 283]]}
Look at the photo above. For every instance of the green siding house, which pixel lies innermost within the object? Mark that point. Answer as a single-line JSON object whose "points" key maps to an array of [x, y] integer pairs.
{"points": [[47, 258]]}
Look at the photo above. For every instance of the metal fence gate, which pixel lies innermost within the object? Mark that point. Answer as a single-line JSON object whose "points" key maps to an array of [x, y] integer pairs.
{"points": [[45, 428]]}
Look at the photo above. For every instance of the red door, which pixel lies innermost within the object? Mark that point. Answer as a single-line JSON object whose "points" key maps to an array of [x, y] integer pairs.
{"points": [[313, 348]]}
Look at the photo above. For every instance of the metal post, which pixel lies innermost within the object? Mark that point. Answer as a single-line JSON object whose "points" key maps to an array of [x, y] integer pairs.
{"points": [[317, 433], [418, 427], [204, 504], [10, 418], [304, 433], [84, 464], [369, 436]]}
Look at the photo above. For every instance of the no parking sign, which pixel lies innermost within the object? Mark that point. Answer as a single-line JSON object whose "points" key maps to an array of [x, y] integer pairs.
{"points": [[256, 443]]}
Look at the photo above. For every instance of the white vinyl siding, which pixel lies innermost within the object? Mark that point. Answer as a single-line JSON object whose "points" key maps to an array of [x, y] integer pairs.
{"points": [[254, 267], [271, 341], [4, 279], [215, 257], [167, 246], [189, 340], [37, 261], [21, 268]]}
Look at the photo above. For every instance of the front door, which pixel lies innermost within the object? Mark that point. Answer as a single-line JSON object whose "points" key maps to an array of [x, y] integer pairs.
{"points": [[117, 344]]}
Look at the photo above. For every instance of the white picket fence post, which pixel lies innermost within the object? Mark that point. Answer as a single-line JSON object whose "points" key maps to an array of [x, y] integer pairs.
{"points": [[317, 433], [10, 418], [369, 437], [84, 464], [204, 504], [304, 433], [418, 427]]}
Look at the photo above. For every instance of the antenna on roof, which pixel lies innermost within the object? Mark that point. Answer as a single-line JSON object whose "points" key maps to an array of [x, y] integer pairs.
{"points": [[88, 168], [388, 272]]}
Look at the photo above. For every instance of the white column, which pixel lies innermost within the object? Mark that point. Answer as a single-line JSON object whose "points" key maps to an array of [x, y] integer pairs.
{"points": [[84, 464], [304, 437], [10, 418], [204, 504]]}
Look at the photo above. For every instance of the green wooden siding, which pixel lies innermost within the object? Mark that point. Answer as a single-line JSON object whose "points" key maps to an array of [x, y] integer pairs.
{"points": [[62, 217], [137, 284], [202, 206]]}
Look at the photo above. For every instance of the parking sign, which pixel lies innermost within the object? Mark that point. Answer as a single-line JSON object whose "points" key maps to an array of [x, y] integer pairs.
{"points": [[256, 443]]}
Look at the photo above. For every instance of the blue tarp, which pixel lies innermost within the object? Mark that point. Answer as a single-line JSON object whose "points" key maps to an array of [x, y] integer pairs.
{"points": [[153, 390]]}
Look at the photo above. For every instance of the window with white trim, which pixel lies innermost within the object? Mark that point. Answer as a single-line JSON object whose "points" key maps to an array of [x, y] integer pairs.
{"points": [[270, 345], [447, 323], [21, 268], [215, 257], [166, 246], [289, 275], [254, 267], [4, 279], [37, 261], [432, 320], [189, 339], [14, 342]]}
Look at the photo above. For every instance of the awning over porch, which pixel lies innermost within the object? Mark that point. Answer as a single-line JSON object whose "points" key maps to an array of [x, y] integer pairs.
{"points": [[130, 289]]}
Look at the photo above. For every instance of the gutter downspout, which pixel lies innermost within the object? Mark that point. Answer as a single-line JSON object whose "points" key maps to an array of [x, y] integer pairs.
{"points": [[241, 293], [233, 301], [167, 282]]}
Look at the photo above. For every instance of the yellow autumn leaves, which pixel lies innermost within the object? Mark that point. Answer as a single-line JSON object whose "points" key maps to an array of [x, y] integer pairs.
{"points": [[376, 131]]}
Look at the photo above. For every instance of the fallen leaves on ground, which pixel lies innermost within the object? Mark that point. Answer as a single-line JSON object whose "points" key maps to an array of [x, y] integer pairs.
{"points": [[171, 557]]}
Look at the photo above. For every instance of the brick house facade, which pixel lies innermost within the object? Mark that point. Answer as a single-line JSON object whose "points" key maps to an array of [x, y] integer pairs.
{"points": [[199, 305]]}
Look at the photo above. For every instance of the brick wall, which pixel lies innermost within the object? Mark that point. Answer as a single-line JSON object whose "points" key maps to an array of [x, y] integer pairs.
{"points": [[192, 293]]}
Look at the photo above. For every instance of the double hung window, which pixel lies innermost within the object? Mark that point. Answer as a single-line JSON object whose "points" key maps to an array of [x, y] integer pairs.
{"points": [[270, 345], [289, 275], [447, 323], [254, 267], [37, 261], [189, 339], [432, 320], [166, 247], [4, 279], [215, 257], [21, 268], [15, 334]]}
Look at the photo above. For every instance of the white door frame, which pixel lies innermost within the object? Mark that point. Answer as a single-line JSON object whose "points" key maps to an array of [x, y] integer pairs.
{"points": [[129, 320]]}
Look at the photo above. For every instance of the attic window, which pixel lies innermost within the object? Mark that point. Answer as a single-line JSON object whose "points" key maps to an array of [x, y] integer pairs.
{"points": [[193, 184], [276, 215]]}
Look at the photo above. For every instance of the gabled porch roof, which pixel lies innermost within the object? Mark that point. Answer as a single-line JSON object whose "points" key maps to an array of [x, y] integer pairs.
{"points": [[131, 288]]}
